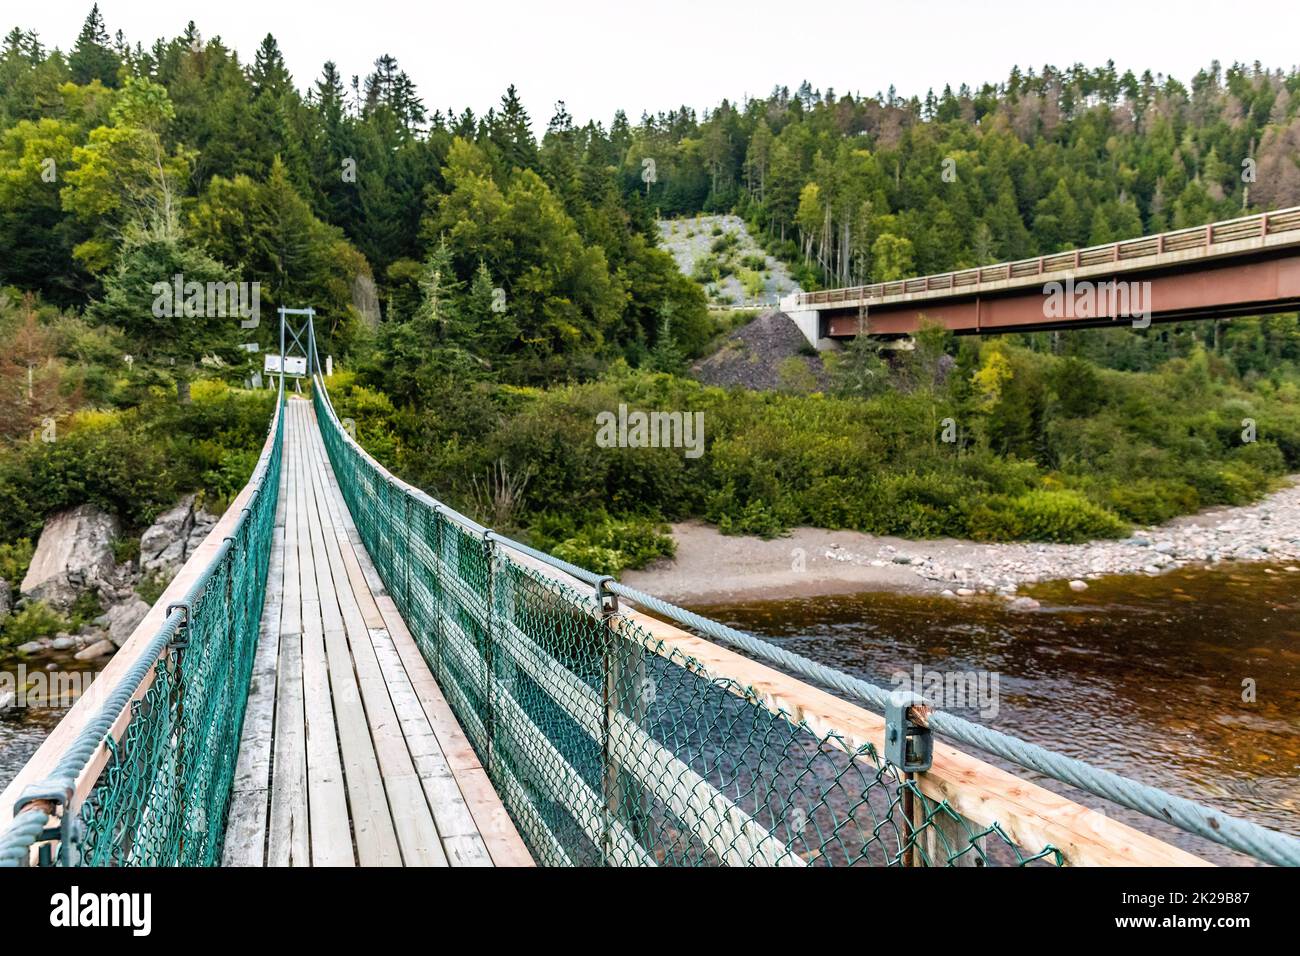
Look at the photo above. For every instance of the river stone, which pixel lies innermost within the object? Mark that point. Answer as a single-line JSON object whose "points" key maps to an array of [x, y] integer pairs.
{"points": [[98, 649], [123, 619], [31, 647], [1077, 585], [1024, 604], [6, 599], [74, 554], [63, 642]]}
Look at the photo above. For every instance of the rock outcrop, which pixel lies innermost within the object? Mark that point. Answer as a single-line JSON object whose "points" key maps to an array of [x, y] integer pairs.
{"points": [[172, 538], [74, 555]]}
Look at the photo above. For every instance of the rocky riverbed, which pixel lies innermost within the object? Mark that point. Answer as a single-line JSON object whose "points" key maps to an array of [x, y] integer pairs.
{"points": [[1267, 531], [714, 568]]}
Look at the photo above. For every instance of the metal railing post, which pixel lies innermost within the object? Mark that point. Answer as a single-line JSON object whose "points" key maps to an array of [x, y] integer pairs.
{"points": [[489, 721]]}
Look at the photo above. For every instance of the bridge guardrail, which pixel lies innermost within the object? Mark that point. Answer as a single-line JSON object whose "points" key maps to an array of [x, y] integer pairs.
{"points": [[614, 737], [146, 779], [1124, 250]]}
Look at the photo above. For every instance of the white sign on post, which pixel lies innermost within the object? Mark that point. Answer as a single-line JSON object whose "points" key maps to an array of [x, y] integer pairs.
{"points": [[293, 364]]}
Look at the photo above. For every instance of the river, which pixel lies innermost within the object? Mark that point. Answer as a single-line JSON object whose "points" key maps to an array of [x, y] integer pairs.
{"points": [[23, 728]]}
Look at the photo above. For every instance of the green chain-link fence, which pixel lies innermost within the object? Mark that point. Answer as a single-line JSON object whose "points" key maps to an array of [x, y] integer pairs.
{"points": [[609, 747], [163, 796]]}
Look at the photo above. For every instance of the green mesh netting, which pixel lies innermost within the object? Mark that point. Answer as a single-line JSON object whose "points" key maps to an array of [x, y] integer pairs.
{"points": [[163, 798], [609, 747]]}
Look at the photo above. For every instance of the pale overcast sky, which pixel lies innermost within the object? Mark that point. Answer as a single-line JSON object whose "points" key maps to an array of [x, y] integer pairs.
{"points": [[658, 54]]}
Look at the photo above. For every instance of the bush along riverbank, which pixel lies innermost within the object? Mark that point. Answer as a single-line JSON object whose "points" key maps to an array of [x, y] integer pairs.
{"points": [[1267, 531], [711, 568]]}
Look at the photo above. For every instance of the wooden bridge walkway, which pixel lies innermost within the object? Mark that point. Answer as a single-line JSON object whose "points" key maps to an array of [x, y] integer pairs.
{"points": [[350, 754]]}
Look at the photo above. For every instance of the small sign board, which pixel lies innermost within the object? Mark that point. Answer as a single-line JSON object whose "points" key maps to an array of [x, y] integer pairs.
{"points": [[293, 364]]}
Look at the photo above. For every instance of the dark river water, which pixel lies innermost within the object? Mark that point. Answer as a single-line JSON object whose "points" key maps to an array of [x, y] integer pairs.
{"points": [[1144, 676], [22, 729], [1140, 675]]}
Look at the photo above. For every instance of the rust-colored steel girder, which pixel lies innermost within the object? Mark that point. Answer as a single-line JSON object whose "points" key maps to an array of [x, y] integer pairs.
{"points": [[1195, 289]]}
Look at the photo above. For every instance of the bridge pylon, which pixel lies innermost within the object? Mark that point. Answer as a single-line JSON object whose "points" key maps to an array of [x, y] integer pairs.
{"points": [[297, 335]]}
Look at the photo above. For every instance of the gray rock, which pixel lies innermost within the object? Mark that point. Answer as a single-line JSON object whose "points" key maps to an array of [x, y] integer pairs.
{"points": [[63, 642], [31, 647], [6, 599], [123, 618], [1024, 604], [96, 650], [74, 554], [173, 537], [163, 542]]}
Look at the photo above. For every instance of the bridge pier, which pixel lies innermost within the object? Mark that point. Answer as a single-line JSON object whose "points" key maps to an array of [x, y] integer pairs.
{"points": [[808, 321]]}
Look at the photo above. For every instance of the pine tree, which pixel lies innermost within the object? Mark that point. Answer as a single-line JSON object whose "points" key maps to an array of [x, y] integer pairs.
{"points": [[92, 58], [511, 133]]}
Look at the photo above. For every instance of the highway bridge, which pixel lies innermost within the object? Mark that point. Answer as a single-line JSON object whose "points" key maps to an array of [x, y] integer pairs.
{"points": [[1247, 266], [349, 672]]}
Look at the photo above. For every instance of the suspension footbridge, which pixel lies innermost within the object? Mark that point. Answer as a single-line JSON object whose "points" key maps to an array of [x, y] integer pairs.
{"points": [[350, 672]]}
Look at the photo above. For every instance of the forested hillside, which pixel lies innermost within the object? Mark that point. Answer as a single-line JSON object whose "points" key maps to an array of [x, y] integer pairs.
{"points": [[521, 289]]}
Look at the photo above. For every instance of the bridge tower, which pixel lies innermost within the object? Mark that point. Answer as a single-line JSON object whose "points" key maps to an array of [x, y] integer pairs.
{"points": [[297, 358]]}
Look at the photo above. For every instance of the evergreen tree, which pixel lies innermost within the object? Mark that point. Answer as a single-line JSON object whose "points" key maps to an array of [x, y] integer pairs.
{"points": [[92, 57]]}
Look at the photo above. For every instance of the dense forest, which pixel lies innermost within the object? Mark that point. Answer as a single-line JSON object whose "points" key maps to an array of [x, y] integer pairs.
{"points": [[487, 291]]}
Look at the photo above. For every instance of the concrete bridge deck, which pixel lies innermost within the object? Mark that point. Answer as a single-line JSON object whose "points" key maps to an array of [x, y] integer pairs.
{"points": [[349, 754]]}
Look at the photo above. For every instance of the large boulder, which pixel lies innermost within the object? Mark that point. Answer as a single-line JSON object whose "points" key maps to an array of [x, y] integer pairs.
{"points": [[122, 619], [6, 599], [172, 538], [74, 555]]}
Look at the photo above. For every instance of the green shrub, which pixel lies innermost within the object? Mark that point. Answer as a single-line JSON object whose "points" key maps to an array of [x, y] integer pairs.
{"points": [[14, 560], [1151, 500], [35, 621], [1045, 515], [126, 549], [151, 586], [612, 545]]}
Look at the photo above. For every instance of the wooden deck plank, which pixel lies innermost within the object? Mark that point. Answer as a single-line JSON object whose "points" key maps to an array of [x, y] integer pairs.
{"points": [[350, 753], [457, 825], [245, 843], [413, 820], [288, 835], [331, 831]]}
